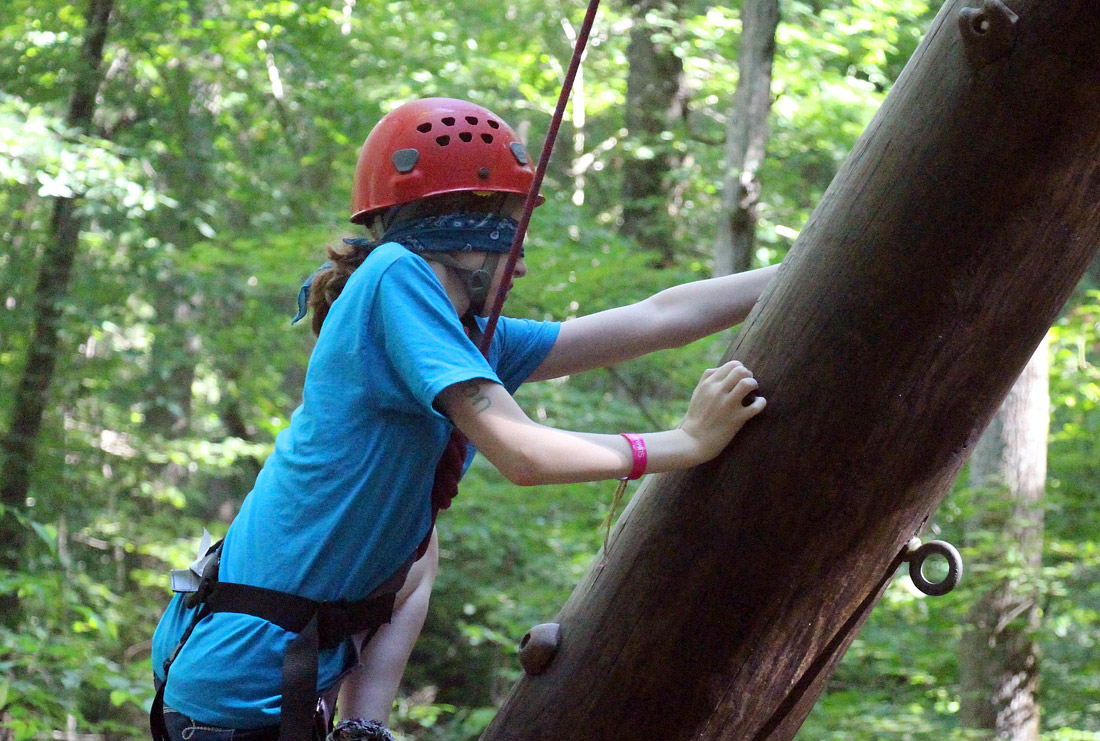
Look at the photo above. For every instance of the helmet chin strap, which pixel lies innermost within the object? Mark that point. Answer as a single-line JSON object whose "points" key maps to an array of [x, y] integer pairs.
{"points": [[477, 280]]}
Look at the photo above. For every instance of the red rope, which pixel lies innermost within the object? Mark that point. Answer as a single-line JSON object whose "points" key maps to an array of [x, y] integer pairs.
{"points": [[540, 172], [449, 469]]}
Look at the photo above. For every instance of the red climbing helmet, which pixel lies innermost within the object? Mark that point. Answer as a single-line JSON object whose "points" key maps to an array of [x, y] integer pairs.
{"points": [[433, 146]]}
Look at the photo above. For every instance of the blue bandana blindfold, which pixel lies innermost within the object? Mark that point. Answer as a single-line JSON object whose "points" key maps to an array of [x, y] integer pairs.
{"points": [[447, 233]]}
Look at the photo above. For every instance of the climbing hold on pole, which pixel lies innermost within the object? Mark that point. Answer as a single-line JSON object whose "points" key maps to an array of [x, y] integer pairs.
{"points": [[916, 554], [989, 31], [538, 647]]}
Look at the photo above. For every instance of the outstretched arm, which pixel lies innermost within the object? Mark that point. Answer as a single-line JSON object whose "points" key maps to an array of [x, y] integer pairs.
{"points": [[672, 318], [528, 453]]}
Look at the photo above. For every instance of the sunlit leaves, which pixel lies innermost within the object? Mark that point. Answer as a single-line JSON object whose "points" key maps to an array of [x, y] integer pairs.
{"points": [[210, 194], [37, 149]]}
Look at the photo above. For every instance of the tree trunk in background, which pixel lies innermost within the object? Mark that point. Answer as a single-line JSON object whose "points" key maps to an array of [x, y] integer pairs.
{"points": [[998, 663], [746, 135], [20, 441], [908, 306], [654, 102]]}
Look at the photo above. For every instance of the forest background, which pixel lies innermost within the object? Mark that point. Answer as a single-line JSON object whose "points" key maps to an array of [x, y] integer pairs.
{"points": [[199, 182]]}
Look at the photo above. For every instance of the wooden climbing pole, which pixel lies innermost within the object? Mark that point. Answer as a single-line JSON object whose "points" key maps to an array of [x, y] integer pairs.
{"points": [[931, 269]]}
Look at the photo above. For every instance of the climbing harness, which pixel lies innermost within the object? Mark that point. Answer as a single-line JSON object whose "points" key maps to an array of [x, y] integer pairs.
{"points": [[318, 625]]}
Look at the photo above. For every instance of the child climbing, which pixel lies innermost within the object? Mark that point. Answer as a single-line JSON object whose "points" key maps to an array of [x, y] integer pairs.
{"points": [[321, 585]]}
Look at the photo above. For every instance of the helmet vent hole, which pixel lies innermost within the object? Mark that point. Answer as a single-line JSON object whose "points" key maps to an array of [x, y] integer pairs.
{"points": [[424, 128], [493, 124], [487, 138], [472, 120], [449, 121], [466, 136], [443, 140]]}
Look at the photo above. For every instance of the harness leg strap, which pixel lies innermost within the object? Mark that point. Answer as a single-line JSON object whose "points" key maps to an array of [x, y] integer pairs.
{"points": [[156, 716], [299, 704]]}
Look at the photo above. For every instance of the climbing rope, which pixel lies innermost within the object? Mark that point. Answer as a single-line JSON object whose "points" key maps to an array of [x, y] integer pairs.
{"points": [[449, 469], [540, 172]]}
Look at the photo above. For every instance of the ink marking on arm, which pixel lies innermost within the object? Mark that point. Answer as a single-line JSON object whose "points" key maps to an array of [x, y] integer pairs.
{"points": [[477, 400]]}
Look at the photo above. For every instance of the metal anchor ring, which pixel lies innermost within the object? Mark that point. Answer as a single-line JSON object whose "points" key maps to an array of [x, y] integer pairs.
{"points": [[916, 554]]}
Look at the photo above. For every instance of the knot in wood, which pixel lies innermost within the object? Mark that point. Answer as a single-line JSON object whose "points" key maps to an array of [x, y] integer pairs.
{"points": [[989, 31], [538, 647]]}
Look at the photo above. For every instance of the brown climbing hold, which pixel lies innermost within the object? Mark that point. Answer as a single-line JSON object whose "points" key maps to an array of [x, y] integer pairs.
{"points": [[538, 647], [989, 31]]}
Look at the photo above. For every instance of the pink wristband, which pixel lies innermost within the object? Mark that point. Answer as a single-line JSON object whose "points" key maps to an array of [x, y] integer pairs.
{"points": [[637, 449]]}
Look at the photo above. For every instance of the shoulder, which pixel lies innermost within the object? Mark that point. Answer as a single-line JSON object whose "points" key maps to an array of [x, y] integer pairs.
{"points": [[512, 329], [392, 269], [519, 346], [395, 264], [392, 257]]}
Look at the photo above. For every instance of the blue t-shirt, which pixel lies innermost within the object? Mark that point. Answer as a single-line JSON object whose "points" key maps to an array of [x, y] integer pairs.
{"points": [[345, 497]]}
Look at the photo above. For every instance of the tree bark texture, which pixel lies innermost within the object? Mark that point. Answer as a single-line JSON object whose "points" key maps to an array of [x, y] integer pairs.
{"points": [[909, 304], [51, 291], [999, 656], [654, 102], [746, 136]]}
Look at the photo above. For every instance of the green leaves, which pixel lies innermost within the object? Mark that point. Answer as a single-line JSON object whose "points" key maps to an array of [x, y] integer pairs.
{"points": [[36, 149], [219, 168]]}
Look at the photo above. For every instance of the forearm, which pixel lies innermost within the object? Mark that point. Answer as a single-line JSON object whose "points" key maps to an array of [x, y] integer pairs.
{"points": [[671, 318], [528, 453], [545, 455], [693, 310]]}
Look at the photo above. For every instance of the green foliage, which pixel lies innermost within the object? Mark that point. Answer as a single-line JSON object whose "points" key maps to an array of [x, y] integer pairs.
{"points": [[218, 168], [899, 679]]}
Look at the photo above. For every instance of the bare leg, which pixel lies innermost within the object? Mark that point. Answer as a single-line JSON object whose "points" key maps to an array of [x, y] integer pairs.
{"points": [[369, 691]]}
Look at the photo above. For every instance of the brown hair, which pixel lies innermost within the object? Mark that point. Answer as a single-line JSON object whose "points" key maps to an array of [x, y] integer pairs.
{"points": [[328, 283]]}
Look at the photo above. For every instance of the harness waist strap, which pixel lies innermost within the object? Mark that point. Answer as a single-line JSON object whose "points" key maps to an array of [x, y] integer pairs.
{"points": [[336, 620]]}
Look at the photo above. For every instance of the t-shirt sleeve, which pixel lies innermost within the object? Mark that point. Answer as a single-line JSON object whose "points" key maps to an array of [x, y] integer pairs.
{"points": [[423, 337], [519, 347]]}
